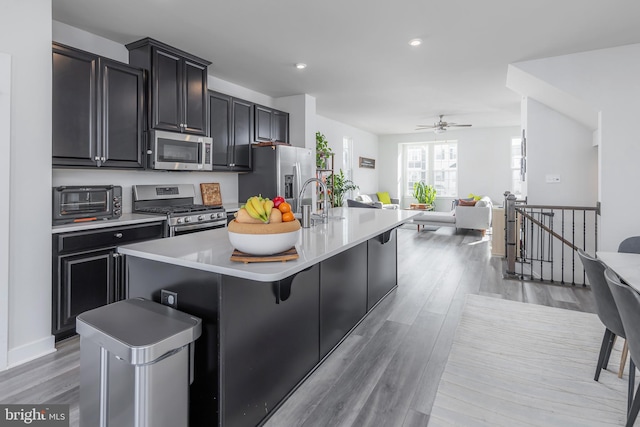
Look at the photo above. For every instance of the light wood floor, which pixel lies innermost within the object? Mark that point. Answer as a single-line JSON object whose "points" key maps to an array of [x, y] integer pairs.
{"points": [[386, 372]]}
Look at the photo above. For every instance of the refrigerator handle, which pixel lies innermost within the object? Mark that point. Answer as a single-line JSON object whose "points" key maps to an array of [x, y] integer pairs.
{"points": [[297, 183]]}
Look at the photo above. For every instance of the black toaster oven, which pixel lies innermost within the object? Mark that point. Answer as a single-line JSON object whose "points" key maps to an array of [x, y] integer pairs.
{"points": [[86, 203]]}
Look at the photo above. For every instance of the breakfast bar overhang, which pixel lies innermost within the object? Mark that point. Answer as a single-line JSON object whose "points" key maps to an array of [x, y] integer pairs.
{"points": [[268, 325]]}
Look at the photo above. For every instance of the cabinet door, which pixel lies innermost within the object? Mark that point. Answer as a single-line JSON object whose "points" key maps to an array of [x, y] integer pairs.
{"points": [[242, 113], [280, 126], [194, 110], [382, 266], [220, 124], [121, 115], [343, 295], [85, 281], [263, 124], [267, 346], [166, 91], [74, 102]]}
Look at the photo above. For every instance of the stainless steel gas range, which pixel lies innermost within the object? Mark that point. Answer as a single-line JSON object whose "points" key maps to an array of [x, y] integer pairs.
{"points": [[176, 202]]}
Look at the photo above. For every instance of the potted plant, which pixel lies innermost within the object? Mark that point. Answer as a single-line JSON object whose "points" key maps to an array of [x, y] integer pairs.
{"points": [[424, 193], [322, 151], [340, 187]]}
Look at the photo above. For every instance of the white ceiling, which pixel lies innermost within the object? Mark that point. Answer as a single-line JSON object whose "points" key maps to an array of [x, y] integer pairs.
{"points": [[361, 69]]}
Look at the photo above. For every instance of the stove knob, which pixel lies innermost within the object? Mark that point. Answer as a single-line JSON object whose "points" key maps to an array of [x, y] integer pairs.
{"points": [[187, 219], [179, 221], [213, 216], [200, 217]]}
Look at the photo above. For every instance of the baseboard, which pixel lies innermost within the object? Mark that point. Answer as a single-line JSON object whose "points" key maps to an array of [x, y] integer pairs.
{"points": [[33, 350]]}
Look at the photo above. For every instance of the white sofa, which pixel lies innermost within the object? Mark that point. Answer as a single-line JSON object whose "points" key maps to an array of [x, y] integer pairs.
{"points": [[372, 201], [477, 217]]}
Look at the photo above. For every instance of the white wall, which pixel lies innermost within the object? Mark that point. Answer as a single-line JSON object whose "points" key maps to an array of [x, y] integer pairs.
{"points": [[5, 194], [560, 146], [25, 34], [607, 79], [484, 160], [365, 144]]}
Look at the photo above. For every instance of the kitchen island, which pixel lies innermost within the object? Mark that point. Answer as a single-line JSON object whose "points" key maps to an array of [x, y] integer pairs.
{"points": [[266, 326]]}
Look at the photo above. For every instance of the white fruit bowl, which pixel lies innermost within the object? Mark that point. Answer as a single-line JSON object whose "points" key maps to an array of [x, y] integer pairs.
{"points": [[264, 244]]}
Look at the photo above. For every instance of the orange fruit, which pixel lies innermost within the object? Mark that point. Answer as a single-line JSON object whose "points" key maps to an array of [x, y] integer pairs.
{"points": [[284, 208], [287, 216]]}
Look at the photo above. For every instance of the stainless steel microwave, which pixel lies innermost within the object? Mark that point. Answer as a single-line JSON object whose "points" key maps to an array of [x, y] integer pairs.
{"points": [[180, 152], [86, 203]]}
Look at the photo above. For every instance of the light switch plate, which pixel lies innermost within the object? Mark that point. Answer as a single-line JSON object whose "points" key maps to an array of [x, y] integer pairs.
{"points": [[552, 179]]}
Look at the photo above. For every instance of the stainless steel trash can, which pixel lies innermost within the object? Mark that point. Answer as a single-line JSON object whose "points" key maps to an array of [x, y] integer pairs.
{"points": [[136, 364]]}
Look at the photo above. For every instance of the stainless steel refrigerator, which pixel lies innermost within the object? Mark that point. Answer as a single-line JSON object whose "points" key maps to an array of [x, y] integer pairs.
{"points": [[278, 170]]}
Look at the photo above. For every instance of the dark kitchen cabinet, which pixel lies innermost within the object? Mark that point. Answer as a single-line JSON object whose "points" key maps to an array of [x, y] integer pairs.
{"points": [[343, 295], [87, 270], [269, 342], [271, 125], [231, 124], [98, 111], [382, 256], [177, 86]]}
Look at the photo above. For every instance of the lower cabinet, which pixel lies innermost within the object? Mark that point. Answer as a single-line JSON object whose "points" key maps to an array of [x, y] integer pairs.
{"points": [[343, 295], [269, 342], [87, 271], [382, 255]]}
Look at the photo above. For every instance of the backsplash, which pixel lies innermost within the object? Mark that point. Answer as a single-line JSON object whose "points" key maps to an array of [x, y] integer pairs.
{"points": [[126, 178]]}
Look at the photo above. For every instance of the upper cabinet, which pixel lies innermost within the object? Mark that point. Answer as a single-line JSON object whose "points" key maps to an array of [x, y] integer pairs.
{"points": [[271, 125], [98, 111], [231, 122], [178, 86]]}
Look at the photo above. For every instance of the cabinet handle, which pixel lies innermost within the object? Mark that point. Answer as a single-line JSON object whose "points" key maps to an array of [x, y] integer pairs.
{"points": [[116, 255], [118, 235], [102, 159], [232, 164], [96, 158]]}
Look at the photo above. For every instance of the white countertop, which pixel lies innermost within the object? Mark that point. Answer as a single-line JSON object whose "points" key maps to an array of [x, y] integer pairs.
{"points": [[625, 265], [125, 219], [211, 250]]}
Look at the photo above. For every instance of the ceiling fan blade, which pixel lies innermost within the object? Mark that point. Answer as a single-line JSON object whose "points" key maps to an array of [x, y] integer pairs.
{"points": [[457, 126], [426, 126]]}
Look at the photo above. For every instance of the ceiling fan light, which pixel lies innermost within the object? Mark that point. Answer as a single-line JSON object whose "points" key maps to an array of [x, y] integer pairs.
{"points": [[301, 66], [415, 42], [439, 130]]}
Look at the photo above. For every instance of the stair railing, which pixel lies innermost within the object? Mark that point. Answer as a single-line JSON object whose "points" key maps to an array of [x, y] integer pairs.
{"points": [[541, 240]]}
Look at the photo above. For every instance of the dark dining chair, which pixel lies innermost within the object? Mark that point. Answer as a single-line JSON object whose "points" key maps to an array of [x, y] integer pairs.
{"points": [[606, 309], [628, 302], [630, 245]]}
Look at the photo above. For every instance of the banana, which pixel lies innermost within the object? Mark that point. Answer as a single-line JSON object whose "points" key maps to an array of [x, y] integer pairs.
{"points": [[251, 210], [256, 204], [268, 206]]}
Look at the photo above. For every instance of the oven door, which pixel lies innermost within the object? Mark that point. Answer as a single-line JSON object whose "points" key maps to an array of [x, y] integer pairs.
{"points": [[178, 230]]}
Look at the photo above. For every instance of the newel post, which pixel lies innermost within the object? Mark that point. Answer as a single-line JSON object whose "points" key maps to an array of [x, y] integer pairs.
{"points": [[510, 212]]}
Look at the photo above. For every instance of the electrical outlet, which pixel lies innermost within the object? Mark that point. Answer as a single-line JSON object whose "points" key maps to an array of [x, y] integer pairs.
{"points": [[169, 298], [552, 179]]}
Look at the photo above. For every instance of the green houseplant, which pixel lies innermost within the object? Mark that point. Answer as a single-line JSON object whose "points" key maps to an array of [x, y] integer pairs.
{"points": [[424, 193], [340, 187], [322, 151]]}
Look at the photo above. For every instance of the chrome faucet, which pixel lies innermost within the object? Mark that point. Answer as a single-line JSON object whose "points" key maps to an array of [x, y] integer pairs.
{"points": [[325, 209]]}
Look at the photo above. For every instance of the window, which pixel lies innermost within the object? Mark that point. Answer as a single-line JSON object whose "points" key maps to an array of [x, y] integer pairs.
{"points": [[435, 163], [347, 162], [516, 161]]}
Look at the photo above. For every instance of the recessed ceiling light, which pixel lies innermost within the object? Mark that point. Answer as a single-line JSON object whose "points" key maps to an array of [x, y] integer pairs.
{"points": [[301, 66], [415, 42]]}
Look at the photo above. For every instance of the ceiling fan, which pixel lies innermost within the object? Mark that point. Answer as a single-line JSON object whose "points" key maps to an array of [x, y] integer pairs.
{"points": [[441, 126]]}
